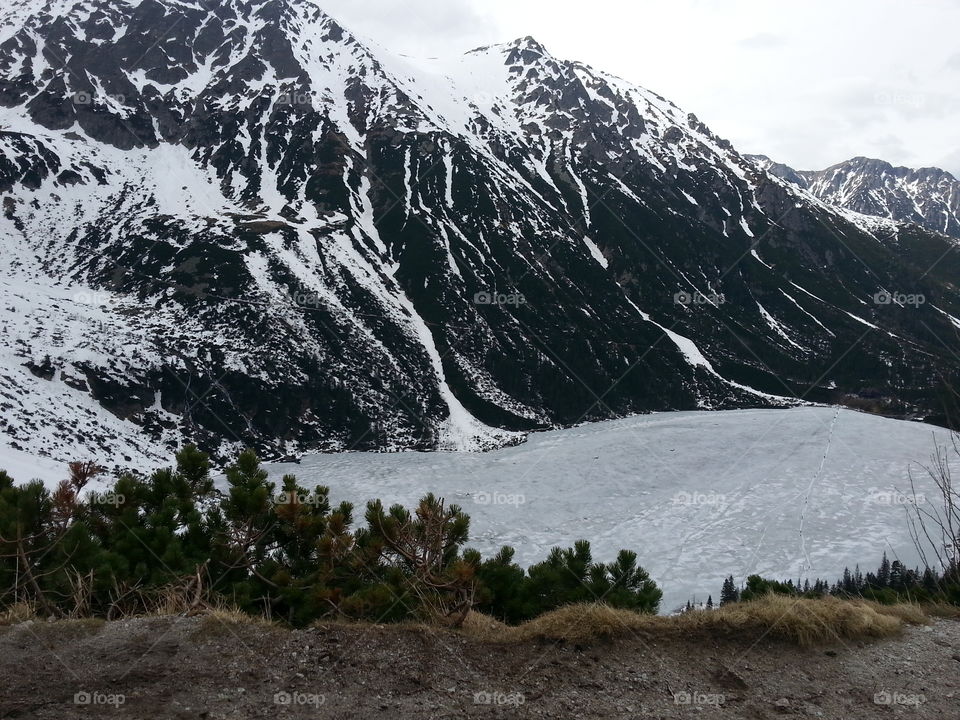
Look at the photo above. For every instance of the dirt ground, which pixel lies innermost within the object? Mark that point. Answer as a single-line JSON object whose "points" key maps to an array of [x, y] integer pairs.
{"points": [[210, 668]]}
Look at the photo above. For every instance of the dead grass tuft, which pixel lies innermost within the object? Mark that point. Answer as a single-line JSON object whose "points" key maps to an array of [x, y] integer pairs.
{"points": [[485, 628], [68, 628], [224, 621], [910, 613], [17, 613], [800, 621], [585, 622], [942, 610], [233, 616]]}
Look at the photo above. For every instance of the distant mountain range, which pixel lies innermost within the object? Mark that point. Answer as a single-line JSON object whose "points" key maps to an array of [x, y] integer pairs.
{"points": [[238, 223], [929, 197]]}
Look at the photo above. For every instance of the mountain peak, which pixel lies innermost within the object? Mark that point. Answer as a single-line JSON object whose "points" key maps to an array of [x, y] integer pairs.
{"points": [[528, 48], [865, 163], [877, 165], [528, 42]]}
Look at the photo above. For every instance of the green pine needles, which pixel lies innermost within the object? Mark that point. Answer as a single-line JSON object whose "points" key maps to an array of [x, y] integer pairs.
{"points": [[174, 543]]}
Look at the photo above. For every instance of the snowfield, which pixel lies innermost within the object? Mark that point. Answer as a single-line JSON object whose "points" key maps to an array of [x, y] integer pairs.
{"points": [[799, 492]]}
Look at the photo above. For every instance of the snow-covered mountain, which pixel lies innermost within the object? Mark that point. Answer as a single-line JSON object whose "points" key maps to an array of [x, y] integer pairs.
{"points": [[242, 224], [929, 197]]}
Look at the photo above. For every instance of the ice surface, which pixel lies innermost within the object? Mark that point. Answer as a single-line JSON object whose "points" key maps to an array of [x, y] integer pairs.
{"points": [[699, 495]]}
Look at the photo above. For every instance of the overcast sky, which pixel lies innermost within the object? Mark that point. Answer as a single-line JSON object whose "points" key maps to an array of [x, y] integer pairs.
{"points": [[807, 83]]}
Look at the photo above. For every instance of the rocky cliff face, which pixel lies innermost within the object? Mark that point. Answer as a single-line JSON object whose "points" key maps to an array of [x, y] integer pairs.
{"points": [[242, 225]]}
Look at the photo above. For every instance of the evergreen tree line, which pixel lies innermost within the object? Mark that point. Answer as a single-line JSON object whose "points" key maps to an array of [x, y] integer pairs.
{"points": [[173, 542], [893, 582]]}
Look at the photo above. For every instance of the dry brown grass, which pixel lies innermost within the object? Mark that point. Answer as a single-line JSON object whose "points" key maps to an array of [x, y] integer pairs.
{"points": [[797, 620], [910, 613], [68, 628], [224, 621], [17, 613], [942, 610], [233, 616]]}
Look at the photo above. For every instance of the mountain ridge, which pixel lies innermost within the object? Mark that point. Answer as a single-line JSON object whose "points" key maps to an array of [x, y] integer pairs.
{"points": [[243, 226], [927, 196]]}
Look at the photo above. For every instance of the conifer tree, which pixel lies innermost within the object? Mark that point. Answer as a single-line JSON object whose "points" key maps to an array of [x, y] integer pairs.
{"points": [[897, 575], [883, 574], [847, 584], [173, 541], [729, 593]]}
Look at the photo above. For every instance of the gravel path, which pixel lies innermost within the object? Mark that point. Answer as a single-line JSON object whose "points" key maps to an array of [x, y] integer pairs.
{"points": [[205, 668]]}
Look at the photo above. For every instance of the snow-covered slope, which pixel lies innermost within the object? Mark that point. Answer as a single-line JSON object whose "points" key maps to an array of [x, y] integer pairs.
{"points": [[784, 493], [294, 239]]}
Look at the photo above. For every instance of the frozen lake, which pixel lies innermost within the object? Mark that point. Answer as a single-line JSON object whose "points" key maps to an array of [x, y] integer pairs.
{"points": [[698, 495]]}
